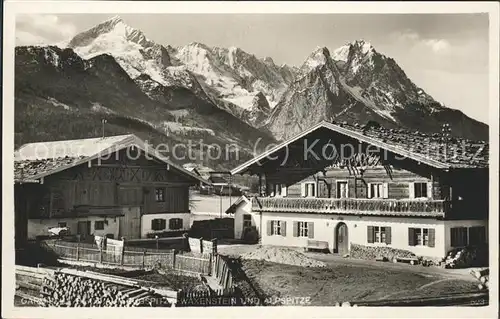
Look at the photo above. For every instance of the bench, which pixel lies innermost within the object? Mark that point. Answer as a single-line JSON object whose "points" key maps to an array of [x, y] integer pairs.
{"points": [[317, 245], [411, 260]]}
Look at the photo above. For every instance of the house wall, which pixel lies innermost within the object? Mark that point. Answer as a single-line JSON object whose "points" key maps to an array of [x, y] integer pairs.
{"points": [[461, 223], [147, 218], [115, 182], [325, 225], [39, 227], [245, 208], [398, 181]]}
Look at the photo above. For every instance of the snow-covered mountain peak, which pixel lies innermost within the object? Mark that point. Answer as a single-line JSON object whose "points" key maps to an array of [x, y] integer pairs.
{"points": [[359, 48], [320, 56]]}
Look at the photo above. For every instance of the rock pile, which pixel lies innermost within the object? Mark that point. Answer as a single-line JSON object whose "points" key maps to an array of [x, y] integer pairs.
{"points": [[376, 252], [282, 255]]}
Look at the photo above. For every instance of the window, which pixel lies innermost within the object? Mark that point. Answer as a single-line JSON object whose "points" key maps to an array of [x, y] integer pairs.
{"points": [[379, 234], [160, 194], [278, 190], [342, 189], [61, 224], [175, 223], [277, 227], [421, 237], [377, 190], [477, 235], [303, 229], [458, 236], [309, 189], [419, 190], [158, 224], [247, 221], [99, 225]]}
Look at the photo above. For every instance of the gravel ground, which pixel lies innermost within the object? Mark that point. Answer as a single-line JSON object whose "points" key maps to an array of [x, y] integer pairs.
{"points": [[282, 255]]}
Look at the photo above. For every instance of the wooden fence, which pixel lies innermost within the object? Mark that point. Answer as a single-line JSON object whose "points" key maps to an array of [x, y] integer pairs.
{"points": [[206, 264], [222, 272], [134, 258]]}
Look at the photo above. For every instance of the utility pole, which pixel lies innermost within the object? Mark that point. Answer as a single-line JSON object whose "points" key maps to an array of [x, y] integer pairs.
{"points": [[446, 131], [103, 121]]}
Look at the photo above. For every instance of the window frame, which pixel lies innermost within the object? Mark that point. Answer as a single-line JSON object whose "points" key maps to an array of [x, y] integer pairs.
{"points": [[276, 228], [303, 229], [160, 194], [337, 188], [99, 221], [424, 238], [249, 220], [380, 190], [162, 224], [423, 189], [175, 220], [306, 189]]}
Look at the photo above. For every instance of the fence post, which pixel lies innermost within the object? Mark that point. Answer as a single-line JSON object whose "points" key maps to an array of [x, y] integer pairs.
{"points": [[201, 245], [123, 251], [173, 258], [144, 259], [77, 251]]}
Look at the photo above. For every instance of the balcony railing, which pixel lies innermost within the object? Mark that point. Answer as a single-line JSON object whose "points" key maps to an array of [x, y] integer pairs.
{"points": [[361, 206]]}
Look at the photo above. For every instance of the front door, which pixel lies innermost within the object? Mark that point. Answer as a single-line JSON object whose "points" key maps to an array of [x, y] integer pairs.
{"points": [[83, 228], [342, 239], [130, 223]]}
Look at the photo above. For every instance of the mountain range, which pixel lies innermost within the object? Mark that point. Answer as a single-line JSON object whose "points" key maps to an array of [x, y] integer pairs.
{"points": [[221, 95]]}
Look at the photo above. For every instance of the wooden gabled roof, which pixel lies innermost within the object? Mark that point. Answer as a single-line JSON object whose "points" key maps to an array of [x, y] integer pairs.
{"points": [[34, 161], [429, 149]]}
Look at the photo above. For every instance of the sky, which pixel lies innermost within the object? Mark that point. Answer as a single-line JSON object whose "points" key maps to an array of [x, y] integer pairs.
{"points": [[445, 54]]}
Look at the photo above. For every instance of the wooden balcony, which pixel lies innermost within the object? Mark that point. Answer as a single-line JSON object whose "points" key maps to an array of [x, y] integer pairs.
{"points": [[357, 206]]}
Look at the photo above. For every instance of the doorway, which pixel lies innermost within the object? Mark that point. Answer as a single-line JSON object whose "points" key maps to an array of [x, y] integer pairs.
{"points": [[341, 239]]}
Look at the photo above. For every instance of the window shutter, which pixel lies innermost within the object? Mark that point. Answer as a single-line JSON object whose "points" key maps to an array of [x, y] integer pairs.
{"points": [[411, 189], [284, 191], [388, 235], [453, 237], [153, 224], [295, 229], [370, 234], [303, 189], [269, 226], [429, 190], [369, 191], [310, 230], [163, 223], [411, 236], [463, 236], [432, 237], [283, 228], [385, 193]]}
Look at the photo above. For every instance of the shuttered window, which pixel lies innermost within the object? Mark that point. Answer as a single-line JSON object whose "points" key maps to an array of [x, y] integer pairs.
{"points": [[175, 223], [379, 234], [458, 236], [421, 237], [158, 224], [477, 235], [308, 189], [277, 227], [304, 229], [278, 190]]}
